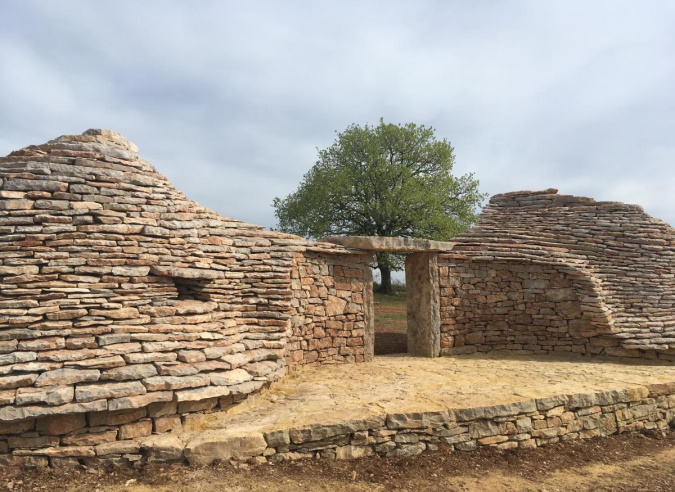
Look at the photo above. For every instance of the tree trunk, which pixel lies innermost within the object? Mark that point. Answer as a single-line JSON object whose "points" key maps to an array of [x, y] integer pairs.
{"points": [[385, 283]]}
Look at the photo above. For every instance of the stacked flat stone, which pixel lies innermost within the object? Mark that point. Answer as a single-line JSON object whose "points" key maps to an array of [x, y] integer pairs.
{"points": [[542, 272], [525, 425], [117, 293]]}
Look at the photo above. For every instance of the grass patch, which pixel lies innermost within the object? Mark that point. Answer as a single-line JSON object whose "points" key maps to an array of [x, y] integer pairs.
{"points": [[394, 300], [391, 324]]}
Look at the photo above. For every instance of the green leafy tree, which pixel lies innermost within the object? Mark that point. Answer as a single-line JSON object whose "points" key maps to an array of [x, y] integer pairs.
{"points": [[384, 180]]}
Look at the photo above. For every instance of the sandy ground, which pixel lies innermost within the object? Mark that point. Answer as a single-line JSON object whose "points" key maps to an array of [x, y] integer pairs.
{"points": [[398, 383]]}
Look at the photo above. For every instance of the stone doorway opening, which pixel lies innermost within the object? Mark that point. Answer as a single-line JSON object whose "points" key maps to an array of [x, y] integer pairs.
{"points": [[422, 288], [390, 320]]}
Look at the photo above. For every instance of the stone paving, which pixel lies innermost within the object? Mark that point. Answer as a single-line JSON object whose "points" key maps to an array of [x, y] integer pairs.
{"points": [[391, 387]]}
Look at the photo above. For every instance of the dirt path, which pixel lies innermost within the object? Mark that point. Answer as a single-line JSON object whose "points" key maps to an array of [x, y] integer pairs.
{"points": [[618, 463]]}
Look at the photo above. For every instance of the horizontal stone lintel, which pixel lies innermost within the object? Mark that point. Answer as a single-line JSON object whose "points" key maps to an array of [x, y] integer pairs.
{"points": [[390, 244]]}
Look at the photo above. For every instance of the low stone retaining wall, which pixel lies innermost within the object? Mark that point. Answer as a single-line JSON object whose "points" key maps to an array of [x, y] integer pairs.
{"points": [[105, 437], [127, 438], [526, 424]]}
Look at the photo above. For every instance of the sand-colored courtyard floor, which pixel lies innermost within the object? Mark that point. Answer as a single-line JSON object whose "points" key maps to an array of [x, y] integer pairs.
{"points": [[400, 384]]}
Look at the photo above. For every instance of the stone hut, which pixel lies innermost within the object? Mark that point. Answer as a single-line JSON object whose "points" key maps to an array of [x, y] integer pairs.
{"points": [[542, 272], [124, 305], [126, 308]]}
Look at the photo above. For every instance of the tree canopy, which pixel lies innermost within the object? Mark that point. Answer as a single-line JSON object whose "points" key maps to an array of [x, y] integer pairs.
{"points": [[384, 180]]}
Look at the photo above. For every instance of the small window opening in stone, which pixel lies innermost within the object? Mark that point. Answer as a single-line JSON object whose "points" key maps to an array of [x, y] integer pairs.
{"points": [[191, 289]]}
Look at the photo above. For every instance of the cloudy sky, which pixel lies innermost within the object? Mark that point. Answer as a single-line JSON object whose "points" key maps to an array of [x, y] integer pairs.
{"points": [[232, 99]]}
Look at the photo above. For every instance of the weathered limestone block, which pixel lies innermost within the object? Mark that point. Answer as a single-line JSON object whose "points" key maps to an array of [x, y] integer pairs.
{"points": [[151, 357], [118, 447], [18, 270], [229, 378], [508, 409], [162, 409], [97, 419], [121, 313], [21, 413], [67, 376], [159, 383], [167, 424], [99, 362], [139, 401], [202, 393], [51, 395], [60, 424], [162, 449], [67, 451], [131, 271], [50, 343], [7, 397], [407, 450], [173, 369], [246, 388], [99, 391], [115, 338], [10, 382], [135, 430], [353, 452], [418, 420], [32, 442], [321, 432], [130, 372], [187, 273], [223, 445], [264, 368], [191, 356], [17, 357], [237, 360], [390, 244], [197, 406]]}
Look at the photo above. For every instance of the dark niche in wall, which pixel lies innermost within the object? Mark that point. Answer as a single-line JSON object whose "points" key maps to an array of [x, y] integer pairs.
{"points": [[190, 289], [192, 284]]}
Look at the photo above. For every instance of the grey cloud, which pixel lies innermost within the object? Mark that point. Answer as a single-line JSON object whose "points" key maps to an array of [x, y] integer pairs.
{"points": [[231, 99]]}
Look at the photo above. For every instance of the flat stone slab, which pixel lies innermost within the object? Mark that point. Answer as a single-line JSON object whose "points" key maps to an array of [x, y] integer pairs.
{"points": [[323, 403], [191, 273], [390, 244]]}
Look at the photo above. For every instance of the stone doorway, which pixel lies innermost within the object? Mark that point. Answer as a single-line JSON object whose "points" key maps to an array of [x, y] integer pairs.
{"points": [[390, 321], [422, 287]]}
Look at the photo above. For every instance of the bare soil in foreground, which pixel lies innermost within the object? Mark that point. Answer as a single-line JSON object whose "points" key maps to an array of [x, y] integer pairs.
{"points": [[644, 462]]}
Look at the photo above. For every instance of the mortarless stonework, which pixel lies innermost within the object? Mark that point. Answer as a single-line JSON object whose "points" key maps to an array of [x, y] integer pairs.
{"points": [[542, 272], [124, 305], [126, 310]]}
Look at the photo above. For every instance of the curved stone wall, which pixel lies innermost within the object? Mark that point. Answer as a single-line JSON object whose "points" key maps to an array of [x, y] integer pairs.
{"points": [[546, 272], [123, 304]]}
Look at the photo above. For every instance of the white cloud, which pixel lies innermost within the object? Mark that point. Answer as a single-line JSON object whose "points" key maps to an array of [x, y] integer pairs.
{"points": [[230, 99]]}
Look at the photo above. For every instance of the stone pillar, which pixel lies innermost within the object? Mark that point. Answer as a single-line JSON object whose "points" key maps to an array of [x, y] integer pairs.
{"points": [[369, 314], [422, 292]]}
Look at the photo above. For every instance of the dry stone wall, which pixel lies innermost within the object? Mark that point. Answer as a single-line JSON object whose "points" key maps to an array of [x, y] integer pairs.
{"points": [[542, 272], [332, 299], [124, 305], [516, 305], [526, 425]]}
